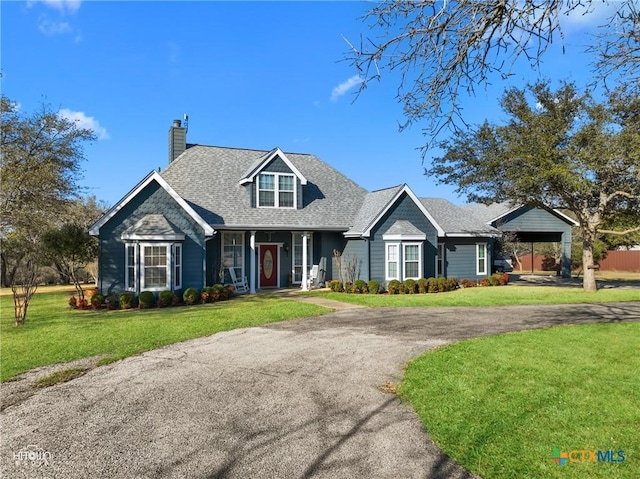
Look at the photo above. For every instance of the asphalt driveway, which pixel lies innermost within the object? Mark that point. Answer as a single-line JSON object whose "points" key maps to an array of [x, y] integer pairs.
{"points": [[302, 398]]}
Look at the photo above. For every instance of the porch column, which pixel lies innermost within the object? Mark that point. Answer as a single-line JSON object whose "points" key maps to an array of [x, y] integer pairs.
{"points": [[252, 263], [305, 237]]}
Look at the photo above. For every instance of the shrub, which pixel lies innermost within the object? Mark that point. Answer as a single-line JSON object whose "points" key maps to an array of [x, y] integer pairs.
{"points": [[146, 300], [217, 292], [422, 285], [191, 296], [111, 301], [348, 287], [432, 285], [96, 301], [452, 284], [484, 282], [73, 302], [205, 297], [127, 300], [228, 291], [409, 286], [165, 298], [468, 283], [90, 292], [443, 285], [359, 286], [394, 286], [373, 287], [176, 299], [336, 286]]}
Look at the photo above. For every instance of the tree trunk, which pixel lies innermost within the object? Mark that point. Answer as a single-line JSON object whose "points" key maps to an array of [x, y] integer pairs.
{"points": [[588, 266]]}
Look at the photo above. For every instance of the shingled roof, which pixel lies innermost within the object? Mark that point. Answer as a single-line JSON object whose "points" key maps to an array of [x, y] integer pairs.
{"points": [[456, 220], [208, 177]]}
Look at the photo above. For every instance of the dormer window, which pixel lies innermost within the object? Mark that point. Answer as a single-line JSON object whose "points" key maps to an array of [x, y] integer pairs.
{"points": [[276, 190]]}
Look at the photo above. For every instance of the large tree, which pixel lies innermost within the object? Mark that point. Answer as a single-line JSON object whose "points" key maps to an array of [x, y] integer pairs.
{"points": [[40, 162], [558, 149], [443, 49]]}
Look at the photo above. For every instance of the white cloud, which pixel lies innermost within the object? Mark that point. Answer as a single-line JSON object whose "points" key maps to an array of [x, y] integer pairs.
{"points": [[345, 86], [51, 27], [62, 6], [84, 121], [592, 14]]}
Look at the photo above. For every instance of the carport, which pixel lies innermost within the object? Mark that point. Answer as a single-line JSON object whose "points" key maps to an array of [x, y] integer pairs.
{"points": [[531, 224]]}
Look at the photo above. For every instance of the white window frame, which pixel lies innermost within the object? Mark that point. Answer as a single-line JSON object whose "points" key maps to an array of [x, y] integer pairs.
{"points": [[440, 259], [225, 234], [127, 266], [396, 261], [177, 265], [481, 247], [168, 251], [276, 190], [294, 246], [404, 260]]}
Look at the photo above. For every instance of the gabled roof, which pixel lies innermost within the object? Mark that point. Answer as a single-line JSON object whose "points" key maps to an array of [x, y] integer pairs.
{"points": [[455, 221], [377, 203], [153, 227], [153, 176], [206, 177], [496, 211], [264, 160]]}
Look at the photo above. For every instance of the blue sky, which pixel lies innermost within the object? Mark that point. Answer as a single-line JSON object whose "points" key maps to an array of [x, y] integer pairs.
{"points": [[248, 74]]}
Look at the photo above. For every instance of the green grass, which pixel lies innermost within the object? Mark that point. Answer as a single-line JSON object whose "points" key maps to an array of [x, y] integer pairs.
{"points": [[488, 296], [54, 334], [500, 405], [60, 377]]}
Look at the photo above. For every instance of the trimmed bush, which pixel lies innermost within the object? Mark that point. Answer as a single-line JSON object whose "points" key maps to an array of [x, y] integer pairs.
{"points": [[394, 286], [111, 301], [422, 285], [409, 286], [336, 286], [146, 300], [96, 301], [348, 287], [73, 302], [359, 286], [191, 296], [127, 300], [165, 298], [432, 285], [373, 287]]}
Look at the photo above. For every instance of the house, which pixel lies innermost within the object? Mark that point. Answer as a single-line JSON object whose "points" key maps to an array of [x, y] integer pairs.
{"points": [[270, 215]]}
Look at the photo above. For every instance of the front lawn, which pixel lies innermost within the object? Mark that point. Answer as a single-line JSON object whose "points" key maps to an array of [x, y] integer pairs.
{"points": [[53, 333], [488, 296], [501, 405]]}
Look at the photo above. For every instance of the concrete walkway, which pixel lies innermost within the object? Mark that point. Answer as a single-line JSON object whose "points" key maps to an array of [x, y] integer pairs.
{"points": [[295, 399]]}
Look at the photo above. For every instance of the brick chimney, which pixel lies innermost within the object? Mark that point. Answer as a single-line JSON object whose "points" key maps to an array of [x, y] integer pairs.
{"points": [[177, 140]]}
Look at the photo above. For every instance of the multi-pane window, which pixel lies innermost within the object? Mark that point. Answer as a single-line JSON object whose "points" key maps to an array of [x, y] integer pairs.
{"points": [[297, 256], [481, 258], [411, 260], [154, 272], [266, 190], [286, 185], [440, 260], [177, 266], [392, 257], [130, 267], [233, 252], [276, 190]]}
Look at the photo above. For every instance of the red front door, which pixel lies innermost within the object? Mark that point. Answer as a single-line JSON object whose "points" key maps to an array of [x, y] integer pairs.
{"points": [[268, 266]]}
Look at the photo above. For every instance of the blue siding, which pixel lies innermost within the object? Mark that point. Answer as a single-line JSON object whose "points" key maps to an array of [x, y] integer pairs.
{"points": [[403, 209], [358, 250], [460, 258], [152, 200]]}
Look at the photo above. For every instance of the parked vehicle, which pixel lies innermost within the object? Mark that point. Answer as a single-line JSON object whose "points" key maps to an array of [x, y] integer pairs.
{"points": [[501, 265]]}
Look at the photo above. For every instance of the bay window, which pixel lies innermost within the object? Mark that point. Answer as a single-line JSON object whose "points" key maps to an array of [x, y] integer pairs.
{"points": [[153, 266]]}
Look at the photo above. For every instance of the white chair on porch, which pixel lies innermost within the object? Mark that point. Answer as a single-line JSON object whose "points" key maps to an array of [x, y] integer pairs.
{"points": [[240, 284], [312, 281]]}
